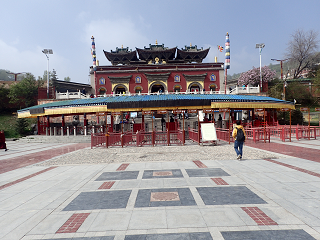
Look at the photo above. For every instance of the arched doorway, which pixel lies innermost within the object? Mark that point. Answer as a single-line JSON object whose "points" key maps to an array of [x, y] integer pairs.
{"points": [[102, 91], [213, 87], [157, 87], [177, 88], [120, 89], [138, 89], [194, 87]]}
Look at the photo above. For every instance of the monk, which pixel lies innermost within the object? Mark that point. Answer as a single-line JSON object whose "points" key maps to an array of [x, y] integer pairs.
{"points": [[3, 144]]}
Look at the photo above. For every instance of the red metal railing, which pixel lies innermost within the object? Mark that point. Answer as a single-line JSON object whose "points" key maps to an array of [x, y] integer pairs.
{"points": [[160, 138], [142, 138], [98, 140], [193, 135]]}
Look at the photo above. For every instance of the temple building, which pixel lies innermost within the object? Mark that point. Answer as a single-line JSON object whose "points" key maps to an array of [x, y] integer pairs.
{"points": [[157, 69]]}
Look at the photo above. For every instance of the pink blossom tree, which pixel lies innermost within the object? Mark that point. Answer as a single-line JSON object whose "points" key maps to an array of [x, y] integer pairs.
{"points": [[252, 76]]}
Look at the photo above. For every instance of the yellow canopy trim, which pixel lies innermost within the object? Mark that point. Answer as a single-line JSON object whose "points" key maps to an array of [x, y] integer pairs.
{"points": [[242, 105]]}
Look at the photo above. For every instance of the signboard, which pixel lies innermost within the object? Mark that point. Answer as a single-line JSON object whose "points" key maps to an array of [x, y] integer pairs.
{"points": [[101, 114], [192, 111], [208, 132], [116, 113], [176, 111], [147, 112], [285, 109], [162, 111], [207, 110], [223, 109], [258, 109], [108, 119], [317, 109], [304, 109]]}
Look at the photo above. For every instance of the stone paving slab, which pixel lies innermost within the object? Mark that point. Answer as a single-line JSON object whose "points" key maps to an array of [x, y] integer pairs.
{"points": [[267, 235], [38, 207]]}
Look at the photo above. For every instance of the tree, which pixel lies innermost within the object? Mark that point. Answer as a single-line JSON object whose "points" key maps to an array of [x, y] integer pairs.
{"points": [[4, 100], [4, 75], [25, 92], [252, 76], [301, 93], [302, 50], [67, 79]]}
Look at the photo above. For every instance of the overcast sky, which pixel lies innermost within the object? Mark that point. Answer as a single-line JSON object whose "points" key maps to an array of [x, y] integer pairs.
{"points": [[29, 26]]}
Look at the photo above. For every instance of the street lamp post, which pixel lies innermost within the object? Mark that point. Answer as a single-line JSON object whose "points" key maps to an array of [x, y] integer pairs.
{"points": [[281, 75], [47, 52], [260, 46], [15, 75]]}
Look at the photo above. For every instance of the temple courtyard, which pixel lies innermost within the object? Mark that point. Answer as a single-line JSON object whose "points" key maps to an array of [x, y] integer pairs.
{"points": [[56, 190]]}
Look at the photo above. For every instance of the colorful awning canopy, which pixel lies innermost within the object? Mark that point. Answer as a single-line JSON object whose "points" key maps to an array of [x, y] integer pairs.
{"points": [[153, 102]]}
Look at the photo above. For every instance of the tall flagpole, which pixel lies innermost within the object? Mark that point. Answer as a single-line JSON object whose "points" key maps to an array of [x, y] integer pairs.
{"points": [[94, 62], [227, 61]]}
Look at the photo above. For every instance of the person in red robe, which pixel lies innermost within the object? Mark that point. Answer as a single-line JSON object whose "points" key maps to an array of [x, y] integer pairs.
{"points": [[3, 144]]}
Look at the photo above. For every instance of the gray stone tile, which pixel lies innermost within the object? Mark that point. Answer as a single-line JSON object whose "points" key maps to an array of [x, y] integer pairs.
{"points": [[218, 217], [176, 173], [99, 200], [152, 183], [84, 238], [144, 195], [206, 172], [110, 221], [118, 175], [185, 218], [228, 195], [148, 219], [171, 236], [50, 224], [267, 235], [126, 184], [175, 182]]}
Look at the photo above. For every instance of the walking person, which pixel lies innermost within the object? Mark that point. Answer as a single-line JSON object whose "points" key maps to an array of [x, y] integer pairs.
{"points": [[239, 136]]}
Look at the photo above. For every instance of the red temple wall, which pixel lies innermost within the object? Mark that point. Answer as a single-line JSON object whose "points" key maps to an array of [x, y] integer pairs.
{"points": [[170, 81]]}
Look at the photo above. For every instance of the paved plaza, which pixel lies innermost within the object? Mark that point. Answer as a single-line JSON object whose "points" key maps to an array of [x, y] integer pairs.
{"points": [[53, 190]]}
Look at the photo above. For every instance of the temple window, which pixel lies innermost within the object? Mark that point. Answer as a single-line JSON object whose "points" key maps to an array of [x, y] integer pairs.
{"points": [[138, 79], [102, 81]]}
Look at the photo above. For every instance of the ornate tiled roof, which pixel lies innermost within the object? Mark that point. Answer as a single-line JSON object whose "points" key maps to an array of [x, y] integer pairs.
{"points": [[166, 101]]}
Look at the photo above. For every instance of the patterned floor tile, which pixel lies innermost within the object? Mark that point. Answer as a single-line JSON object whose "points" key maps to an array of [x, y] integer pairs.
{"points": [[99, 200], [164, 197], [228, 195], [206, 172], [171, 236], [118, 175], [267, 235], [173, 173]]}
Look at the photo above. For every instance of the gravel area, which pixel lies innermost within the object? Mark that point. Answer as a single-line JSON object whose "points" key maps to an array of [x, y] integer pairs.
{"points": [[223, 151]]}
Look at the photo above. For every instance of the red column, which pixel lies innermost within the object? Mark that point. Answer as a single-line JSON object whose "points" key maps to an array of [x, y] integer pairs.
{"points": [[62, 120], [38, 123], [85, 119]]}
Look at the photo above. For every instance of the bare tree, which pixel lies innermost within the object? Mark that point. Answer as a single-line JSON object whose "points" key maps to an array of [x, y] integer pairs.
{"points": [[302, 50]]}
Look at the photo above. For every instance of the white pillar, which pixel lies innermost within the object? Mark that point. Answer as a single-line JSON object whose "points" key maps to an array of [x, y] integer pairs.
{"points": [[74, 130], [85, 130], [61, 131], [68, 133], [54, 131]]}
